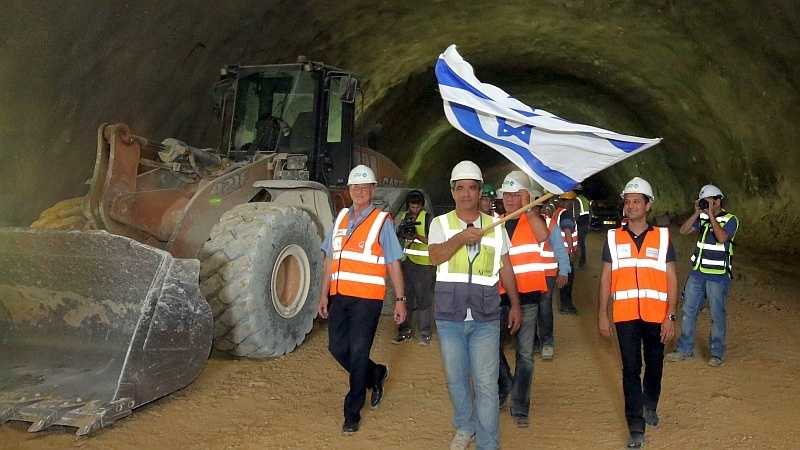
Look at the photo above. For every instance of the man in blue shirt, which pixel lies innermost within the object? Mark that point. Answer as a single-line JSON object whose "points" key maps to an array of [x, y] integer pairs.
{"points": [[710, 276], [356, 294]]}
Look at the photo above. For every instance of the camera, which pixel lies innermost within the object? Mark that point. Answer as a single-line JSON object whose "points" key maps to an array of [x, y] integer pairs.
{"points": [[702, 204], [408, 228]]}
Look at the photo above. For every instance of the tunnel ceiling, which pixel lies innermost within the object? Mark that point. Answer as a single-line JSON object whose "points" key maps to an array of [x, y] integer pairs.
{"points": [[717, 80]]}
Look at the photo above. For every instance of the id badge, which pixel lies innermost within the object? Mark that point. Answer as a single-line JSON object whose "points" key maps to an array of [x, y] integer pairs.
{"points": [[624, 251], [652, 252]]}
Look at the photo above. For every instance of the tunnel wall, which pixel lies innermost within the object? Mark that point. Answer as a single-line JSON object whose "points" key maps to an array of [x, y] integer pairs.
{"points": [[717, 80]]}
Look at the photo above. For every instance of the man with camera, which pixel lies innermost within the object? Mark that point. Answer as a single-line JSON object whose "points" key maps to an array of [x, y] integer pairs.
{"points": [[418, 272], [710, 275]]}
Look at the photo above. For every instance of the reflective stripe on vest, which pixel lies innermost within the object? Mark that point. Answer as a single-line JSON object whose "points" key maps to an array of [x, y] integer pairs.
{"points": [[357, 265], [417, 250], [710, 256], [525, 254], [639, 276], [485, 268], [557, 219], [548, 255]]}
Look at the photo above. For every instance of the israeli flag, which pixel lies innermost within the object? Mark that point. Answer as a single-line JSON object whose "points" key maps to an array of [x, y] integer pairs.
{"points": [[557, 153]]}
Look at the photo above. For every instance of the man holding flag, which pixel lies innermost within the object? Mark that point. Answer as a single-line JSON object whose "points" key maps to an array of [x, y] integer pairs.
{"points": [[471, 258]]}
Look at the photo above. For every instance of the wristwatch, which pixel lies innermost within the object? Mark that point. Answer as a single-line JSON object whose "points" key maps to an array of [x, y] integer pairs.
{"points": [[672, 317], [400, 299]]}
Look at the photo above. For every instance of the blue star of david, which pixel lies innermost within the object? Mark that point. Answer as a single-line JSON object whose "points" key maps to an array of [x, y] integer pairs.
{"points": [[522, 132]]}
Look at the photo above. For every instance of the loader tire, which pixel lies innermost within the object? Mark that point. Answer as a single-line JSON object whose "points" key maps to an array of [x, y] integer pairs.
{"points": [[260, 273], [64, 215]]}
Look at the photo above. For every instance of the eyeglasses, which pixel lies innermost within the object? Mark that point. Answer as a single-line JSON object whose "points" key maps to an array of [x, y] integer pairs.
{"points": [[360, 187]]}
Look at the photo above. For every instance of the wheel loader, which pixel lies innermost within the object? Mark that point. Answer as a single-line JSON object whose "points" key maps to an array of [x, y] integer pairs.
{"points": [[112, 300]]}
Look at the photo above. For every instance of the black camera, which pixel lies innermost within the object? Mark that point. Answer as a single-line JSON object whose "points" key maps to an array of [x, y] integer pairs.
{"points": [[702, 204], [408, 228]]}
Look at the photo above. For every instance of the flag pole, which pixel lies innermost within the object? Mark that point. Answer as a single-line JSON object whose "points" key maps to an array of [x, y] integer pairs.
{"points": [[519, 212]]}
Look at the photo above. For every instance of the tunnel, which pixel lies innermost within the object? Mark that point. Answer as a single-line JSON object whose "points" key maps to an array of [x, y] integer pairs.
{"points": [[717, 82]]}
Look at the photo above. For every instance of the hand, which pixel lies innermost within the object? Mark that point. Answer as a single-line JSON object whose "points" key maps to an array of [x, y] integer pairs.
{"points": [[400, 312], [471, 235], [561, 281], [697, 209], [604, 325], [322, 309], [667, 331], [514, 319]]}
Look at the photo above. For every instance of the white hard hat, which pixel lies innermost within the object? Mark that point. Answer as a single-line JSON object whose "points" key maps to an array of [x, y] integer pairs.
{"points": [[709, 190], [517, 181], [361, 174], [466, 170], [638, 186]]}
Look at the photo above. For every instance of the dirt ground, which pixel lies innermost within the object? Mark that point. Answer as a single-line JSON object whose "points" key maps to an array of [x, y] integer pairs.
{"points": [[295, 401]]}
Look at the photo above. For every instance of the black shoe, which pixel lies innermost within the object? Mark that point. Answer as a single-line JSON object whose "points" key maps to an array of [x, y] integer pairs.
{"points": [[377, 390], [636, 440], [651, 417], [350, 426], [402, 337], [502, 402]]}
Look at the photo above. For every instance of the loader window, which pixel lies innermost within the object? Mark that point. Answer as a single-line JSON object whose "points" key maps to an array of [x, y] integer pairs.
{"points": [[274, 112], [335, 109]]}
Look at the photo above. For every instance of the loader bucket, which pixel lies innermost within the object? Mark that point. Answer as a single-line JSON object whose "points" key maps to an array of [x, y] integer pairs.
{"points": [[93, 325]]}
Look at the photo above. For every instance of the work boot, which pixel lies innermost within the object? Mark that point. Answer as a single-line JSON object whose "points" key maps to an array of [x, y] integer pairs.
{"points": [[677, 356], [425, 340], [651, 417], [568, 309], [461, 440], [521, 421], [403, 336], [547, 352], [715, 362], [350, 426], [636, 440]]}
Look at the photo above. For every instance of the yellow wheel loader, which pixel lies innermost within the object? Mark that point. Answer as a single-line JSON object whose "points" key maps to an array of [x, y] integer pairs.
{"points": [[113, 300]]}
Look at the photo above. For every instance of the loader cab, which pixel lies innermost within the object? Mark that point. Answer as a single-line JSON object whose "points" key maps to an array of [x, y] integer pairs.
{"points": [[300, 109]]}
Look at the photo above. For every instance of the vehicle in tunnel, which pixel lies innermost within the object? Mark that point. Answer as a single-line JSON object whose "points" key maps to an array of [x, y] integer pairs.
{"points": [[605, 213], [96, 323]]}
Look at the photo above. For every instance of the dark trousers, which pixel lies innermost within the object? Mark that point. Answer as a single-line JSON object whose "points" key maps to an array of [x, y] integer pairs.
{"points": [[636, 337], [351, 328], [565, 293], [420, 281], [505, 380], [583, 233]]}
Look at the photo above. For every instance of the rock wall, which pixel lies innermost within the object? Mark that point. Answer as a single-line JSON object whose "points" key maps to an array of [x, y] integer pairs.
{"points": [[716, 80]]}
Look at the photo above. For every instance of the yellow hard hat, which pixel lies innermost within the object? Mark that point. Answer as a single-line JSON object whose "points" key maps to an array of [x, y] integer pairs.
{"points": [[569, 195]]}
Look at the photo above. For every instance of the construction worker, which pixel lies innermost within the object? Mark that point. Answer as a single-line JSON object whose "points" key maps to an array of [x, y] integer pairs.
{"points": [[583, 219], [419, 274], [710, 275], [359, 250], [564, 217], [639, 276], [486, 204], [527, 232], [471, 257]]}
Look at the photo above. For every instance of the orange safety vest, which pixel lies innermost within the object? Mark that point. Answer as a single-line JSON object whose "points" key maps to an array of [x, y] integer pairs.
{"points": [[639, 276], [357, 265], [557, 219], [525, 254], [548, 255]]}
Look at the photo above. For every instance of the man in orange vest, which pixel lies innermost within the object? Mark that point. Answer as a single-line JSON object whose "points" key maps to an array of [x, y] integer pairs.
{"points": [[639, 276], [528, 234], [359, 251]]}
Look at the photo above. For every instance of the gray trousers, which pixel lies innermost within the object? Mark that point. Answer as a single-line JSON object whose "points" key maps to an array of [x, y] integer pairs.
{"points": [[419, 283]]}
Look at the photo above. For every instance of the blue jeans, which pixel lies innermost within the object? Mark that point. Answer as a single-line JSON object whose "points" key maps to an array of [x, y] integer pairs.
{"points": [[696, 291], [545, 317], [470, 357], [523, 370]]}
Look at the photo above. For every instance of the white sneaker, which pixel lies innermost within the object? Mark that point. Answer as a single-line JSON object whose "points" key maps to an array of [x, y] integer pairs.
{"points": [[547, 352], [461, 440]]}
